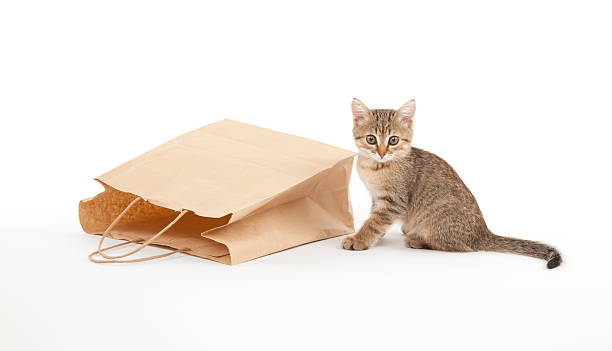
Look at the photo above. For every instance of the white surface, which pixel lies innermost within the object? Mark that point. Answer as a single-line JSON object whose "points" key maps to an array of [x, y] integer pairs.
{"points": [[516, 97]]}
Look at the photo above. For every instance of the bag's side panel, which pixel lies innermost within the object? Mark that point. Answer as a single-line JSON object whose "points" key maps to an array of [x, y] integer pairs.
{"points": [[333, 194], [321, 209], [145, 219], [307, 187]]}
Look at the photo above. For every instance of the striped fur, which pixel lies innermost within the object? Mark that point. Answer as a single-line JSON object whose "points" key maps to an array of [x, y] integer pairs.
{"points": [[420, 189]]}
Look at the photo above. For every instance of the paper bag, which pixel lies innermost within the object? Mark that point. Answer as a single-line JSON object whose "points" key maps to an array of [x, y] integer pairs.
{"points": [[229, 192]]}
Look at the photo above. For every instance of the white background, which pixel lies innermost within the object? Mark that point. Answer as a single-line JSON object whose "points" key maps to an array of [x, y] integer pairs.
{"points": [[515, 96]]}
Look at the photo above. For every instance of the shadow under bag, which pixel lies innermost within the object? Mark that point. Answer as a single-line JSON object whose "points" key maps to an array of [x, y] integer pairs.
{"points": [[229, 192]]}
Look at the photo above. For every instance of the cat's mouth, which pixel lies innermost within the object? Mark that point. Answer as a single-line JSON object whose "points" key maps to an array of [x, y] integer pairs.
{"points": [[376, 157], [383, 159]]}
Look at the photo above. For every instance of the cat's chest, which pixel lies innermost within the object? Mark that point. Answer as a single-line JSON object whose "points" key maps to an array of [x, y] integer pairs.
{"points": [[375, 180]]}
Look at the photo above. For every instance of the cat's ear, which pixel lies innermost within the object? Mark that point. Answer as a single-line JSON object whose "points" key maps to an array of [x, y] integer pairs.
{"points": [[405, 114], [361, 113]]}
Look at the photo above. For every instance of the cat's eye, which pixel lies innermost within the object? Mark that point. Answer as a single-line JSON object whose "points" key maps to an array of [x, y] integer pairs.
{"points": [[393, 140], [370, 139]]}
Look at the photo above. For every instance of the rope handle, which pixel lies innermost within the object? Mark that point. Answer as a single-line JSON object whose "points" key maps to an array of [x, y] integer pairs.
{"points": [[114, 259], [95, 260]]}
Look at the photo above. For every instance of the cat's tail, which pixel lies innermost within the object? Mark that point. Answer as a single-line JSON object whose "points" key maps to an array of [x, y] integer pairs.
{"points": [[529, 248]]}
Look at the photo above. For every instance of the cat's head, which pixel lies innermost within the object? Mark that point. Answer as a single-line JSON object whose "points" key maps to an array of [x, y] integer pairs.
{"points": [[383, 135]]}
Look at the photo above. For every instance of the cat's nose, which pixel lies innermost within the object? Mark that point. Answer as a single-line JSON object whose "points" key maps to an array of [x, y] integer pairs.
{"points": [[382, 150]]}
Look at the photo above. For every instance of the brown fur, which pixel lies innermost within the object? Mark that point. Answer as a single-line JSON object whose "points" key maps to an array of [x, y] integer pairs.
{"points": [[419, 188]]}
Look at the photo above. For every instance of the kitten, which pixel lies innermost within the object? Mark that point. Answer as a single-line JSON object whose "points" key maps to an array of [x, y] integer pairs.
{"points": [[419, 188]]}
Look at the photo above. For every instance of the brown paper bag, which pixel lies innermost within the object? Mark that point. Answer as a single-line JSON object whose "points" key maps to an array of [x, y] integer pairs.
{"points": [[229, 192]]}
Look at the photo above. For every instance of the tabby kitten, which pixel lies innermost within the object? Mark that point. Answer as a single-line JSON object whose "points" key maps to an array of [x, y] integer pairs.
{"points": [[420, 189]]}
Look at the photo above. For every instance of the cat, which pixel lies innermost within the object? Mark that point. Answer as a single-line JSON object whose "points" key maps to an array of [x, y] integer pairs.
{"points": [[419, 188]]}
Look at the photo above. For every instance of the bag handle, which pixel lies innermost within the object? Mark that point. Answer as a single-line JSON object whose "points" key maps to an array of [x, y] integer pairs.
{"points": [[114, 259]]}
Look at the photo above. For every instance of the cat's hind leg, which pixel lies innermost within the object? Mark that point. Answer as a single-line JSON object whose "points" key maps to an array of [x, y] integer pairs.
{"points": [[451, 241], [415, 242], [412, 239]]}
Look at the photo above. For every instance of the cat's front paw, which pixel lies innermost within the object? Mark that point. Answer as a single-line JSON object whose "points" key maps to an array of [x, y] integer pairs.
{"points": [[352, 243]]}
